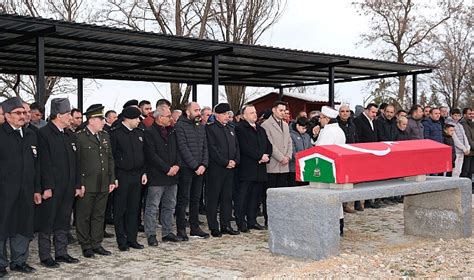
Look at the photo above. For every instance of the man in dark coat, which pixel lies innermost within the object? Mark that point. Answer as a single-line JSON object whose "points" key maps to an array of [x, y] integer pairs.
{"points": [[192, 146], [161, 153], [96, 169], [59, 183], [127, 145], [366, 132], [19, 180], [255, 151], [432, 127], [386, 124], [224, 156]]}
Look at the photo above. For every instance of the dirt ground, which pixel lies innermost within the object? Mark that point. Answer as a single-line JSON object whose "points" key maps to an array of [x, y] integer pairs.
{"points": [[373, 246]]}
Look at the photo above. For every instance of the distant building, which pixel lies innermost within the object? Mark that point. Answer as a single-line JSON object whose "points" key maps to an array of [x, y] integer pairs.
{"points": [[295, 102]]}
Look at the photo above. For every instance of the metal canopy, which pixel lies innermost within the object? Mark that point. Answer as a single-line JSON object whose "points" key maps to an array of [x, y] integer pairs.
{"points": [[88, 51]]}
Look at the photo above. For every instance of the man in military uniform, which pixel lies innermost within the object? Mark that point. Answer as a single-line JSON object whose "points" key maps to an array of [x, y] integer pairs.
{"points": [[59, 184], [96, 169], [127, 145], [224, 156], [19, 180]]}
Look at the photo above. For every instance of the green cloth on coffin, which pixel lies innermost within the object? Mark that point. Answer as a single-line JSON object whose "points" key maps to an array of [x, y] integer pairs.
{"points": [[317, 169]]}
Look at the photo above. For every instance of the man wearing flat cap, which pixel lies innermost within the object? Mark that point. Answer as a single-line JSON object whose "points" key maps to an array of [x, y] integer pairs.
{"points": [[60, 183], [19, 180], [224, 156], [127, 146], [97, 174]]}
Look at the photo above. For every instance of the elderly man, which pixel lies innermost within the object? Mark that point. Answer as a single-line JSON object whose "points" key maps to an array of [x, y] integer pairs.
{"points": [[224, 156], [175, 116], [60, 183], [255, 152], [127, 146], [192, 146], [161, 152], [278, 134], [20, 180], [97, 172]]}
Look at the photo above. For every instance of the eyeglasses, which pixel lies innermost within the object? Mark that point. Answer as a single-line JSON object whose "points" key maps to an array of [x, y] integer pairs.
{"points": [[18, 113]]}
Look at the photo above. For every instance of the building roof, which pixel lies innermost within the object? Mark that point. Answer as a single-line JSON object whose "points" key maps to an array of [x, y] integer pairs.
{"points": [[308, 99], [81, 50]]}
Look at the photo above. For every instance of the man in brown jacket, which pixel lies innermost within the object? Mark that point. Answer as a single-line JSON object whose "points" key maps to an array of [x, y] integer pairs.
{"points": [[278, 134]]}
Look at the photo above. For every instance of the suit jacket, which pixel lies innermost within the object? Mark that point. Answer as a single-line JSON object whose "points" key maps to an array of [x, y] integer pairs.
{"points": [[95, 160], [364, 131], [281, 144]]}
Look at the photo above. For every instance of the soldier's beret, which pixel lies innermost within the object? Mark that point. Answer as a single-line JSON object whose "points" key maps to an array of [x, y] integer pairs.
{"points": [[60, 106], [11, 104], [129, 103], [95, 111], [222, 108], [131, 113]]}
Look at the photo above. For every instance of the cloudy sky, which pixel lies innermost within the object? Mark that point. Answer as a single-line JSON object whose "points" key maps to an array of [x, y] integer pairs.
{"points": [[320, 26]]}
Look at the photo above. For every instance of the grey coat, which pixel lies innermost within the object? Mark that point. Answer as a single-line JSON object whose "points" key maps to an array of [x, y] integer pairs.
{"points": [[301, 142], [415, 129], [281, 143]]}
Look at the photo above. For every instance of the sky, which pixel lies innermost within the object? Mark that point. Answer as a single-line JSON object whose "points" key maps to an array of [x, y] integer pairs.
{"points": [[321, 26]]}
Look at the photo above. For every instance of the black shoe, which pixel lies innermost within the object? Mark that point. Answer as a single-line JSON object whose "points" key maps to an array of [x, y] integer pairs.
{"points": [[141, 228], [229, 230], [88, 253], [171, 238], [66, 259], [102, 251], [3, 272], [216, 233], [182, 235], [136, 245], [257, 226], [124, 247], [108, 235], [71, 239], [24, 267], [152, 241], [50, 263], [243, 228], [198, 232]]}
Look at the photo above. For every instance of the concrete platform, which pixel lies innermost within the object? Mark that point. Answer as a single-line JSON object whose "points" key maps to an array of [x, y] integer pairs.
{"points": [[304, 221]]}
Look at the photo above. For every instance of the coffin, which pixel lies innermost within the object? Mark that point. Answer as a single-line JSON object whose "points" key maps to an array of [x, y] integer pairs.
{"points": [[355, 163]]}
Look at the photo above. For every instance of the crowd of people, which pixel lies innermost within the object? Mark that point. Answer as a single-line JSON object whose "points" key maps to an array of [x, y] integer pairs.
{"points": [[143, 167]]}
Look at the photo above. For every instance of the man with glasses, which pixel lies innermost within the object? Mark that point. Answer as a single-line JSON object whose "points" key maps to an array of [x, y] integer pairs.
{"points": [[60, 183], [19, 180]]}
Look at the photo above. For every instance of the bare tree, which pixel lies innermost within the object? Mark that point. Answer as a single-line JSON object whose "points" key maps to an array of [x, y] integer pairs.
{"points": [[183, 18], [400, 28], [453, 57], [242, 21], [68, 10]]}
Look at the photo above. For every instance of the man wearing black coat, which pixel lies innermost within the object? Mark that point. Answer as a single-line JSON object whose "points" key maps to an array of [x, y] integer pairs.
{"points": [[161, 152], [224, 156], [386, 125], [60, 183], [19, 180], [128, 150], [192, 147], [366, 132], [255, 150]]}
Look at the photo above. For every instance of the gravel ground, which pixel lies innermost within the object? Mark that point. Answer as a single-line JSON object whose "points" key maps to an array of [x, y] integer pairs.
{"points": [[374, 246]]}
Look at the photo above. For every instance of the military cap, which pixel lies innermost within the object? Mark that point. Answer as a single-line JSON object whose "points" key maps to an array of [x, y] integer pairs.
{"points": [[222, 108], [129, 103], [60, 106], [131, 113], [95, 110], [11, 104]]}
